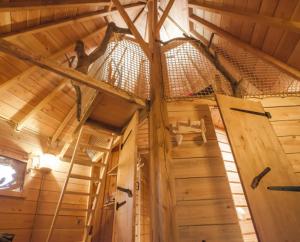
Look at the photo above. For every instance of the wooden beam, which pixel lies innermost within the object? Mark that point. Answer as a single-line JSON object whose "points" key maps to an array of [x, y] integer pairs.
{"points": [[287, 25], [66, 72], [132, 27], [36, 5], [41, 105], [165, 15], [63, 124], [72, 20], [57, 54], [224, 34], [162, 187]]}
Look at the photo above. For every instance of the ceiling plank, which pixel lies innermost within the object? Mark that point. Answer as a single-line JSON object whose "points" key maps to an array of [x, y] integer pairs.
{"points": [[165, 15], [224, 34], [40, 106], [14, 50], [35, 5], [132, 27], [7, 84], [293, 26], [67, 21]]}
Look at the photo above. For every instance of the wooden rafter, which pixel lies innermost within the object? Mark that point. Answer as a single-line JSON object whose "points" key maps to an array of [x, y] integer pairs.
{"points": [[165, 15], [41, 105], [132, 27], [224, 34], [34, 5], [67, 21], [57, 54], [57, 133], [66, 72], [288, 25]]}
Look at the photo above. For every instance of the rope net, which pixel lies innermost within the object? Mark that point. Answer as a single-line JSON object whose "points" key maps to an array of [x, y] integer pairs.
{"points": [[189, 70], [256, 77], [124, 65], [190, 73]]}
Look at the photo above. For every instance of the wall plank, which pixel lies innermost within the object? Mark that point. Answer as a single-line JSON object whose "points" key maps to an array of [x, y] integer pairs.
{"points": [[202, 189]]}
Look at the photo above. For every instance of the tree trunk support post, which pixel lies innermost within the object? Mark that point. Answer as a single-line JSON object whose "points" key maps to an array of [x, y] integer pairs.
{"points": [[161, 181]]}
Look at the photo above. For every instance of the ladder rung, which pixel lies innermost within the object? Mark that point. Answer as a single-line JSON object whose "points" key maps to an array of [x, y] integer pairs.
{"points": [[84, 177], [113, 169], [79, 193], [76, 209], [88, 163]]}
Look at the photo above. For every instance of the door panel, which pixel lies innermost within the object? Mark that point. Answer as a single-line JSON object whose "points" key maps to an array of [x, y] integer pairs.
{"points": [[255, 146], [124, 222]]}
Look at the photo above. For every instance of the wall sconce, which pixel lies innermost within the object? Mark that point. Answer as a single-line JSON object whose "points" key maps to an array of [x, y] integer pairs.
{"points": [[44, 162]]}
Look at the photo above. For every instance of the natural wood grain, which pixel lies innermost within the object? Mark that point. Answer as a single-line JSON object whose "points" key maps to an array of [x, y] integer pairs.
{"points": [[64, 22], [293, 26], [132, 27], [124, 220], [278, 222], [20, 53], [162, 189], [32, 5], [278, 64]]}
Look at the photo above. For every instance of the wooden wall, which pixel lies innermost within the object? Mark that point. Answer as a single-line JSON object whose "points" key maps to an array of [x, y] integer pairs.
{"points": [[36, 208], [205, 208]]}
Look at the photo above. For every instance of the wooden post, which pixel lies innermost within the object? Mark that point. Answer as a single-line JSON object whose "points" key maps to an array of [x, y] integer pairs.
{"points": [[161, 181]]}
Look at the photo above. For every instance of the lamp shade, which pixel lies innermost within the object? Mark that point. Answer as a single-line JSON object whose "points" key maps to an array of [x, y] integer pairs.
{"points": [[48, 162]]}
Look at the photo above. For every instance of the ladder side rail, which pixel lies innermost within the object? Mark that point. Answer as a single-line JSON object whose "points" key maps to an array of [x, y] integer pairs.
{"points": [[96, 198], [64, 188]]}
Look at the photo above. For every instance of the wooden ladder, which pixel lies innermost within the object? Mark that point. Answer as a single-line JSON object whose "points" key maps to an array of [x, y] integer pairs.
{"points": [[93, 197]]}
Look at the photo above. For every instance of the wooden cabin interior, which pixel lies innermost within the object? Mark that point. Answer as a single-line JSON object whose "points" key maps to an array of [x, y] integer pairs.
{"points": [[150, 121]]}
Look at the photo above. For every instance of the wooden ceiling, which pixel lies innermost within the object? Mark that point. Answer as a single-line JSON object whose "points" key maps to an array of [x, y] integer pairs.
{"points": [[44, 103], [31, 98], [270, 26]]}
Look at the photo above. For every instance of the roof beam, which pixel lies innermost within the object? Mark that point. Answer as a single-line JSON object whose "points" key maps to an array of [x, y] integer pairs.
{"points": [[293, 26], [132, 27], [224, 34], [34, 5], [40, 106], [57, 54], [66, 72], [67, 21], [165, 15]]}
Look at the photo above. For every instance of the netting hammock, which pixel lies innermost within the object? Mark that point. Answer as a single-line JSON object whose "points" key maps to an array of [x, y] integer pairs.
{"points": [[188, 72]]}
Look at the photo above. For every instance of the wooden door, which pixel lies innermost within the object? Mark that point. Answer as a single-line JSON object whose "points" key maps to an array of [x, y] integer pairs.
{"points": [[124, 221], [255, 146]]}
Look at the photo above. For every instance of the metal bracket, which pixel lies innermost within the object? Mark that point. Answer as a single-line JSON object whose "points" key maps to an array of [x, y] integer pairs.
{"points": [[118, 205], [126, 190], [285, 188], [257, 179], [266, 114]]}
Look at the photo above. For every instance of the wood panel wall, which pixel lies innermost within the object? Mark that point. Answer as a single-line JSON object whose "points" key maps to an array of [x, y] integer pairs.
{"points": [[36, 209], [205, 208]]}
